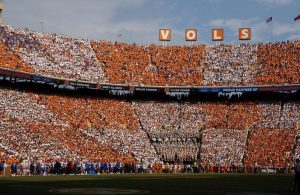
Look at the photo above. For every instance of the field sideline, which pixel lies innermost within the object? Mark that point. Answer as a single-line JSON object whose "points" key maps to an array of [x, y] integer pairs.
{"points": [[229, 184]]}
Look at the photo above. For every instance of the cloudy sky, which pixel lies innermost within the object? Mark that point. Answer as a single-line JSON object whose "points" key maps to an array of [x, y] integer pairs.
{"points": [[139, 20]]}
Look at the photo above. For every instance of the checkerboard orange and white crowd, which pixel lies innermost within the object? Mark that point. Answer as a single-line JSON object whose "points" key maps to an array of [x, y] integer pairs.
{"points": [[49, 127]]}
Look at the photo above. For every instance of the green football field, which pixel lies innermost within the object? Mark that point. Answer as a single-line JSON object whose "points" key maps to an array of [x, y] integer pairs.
{"points": [[229, 184]]}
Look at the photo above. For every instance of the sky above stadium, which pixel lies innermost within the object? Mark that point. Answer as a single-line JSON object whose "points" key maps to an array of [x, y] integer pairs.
{"points": [[138, 21]]}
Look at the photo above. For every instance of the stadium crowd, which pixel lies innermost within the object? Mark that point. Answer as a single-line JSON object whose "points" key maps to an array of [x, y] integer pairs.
{"points": [[223, 146], [53, 55], [9, 59], [90, 132], [163, 123], [279, 63], [151, 65], [120, 63], [230, 64], [270, 147], [89, 129]]}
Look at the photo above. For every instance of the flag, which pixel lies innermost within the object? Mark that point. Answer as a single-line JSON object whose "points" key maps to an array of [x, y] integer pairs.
{"points": [[269, 20], [297, 18]]}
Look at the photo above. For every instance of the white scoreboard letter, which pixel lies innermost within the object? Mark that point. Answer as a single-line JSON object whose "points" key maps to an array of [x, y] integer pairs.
{"points": [[191, 35], [164, 34], [217, 34], [245, 33]]}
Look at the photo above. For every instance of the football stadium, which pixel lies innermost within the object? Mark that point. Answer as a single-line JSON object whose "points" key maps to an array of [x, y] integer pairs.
{"points": [[88, 116]]}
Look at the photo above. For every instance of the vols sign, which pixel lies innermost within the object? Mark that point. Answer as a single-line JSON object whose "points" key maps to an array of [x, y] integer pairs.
{"points": [[217, 34], [191, 34], [164, 34], [245, 34]]}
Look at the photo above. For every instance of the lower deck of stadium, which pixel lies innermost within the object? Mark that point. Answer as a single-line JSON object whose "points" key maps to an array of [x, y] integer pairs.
{"points": [[49, 127]]}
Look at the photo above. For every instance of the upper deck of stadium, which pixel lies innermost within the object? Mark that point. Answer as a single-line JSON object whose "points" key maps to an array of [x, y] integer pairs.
{"points": [[103, 62]]}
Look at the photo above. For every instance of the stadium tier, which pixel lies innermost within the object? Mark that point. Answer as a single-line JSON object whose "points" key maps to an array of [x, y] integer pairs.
{"points": [[54, 127], [51, 127], [119, 63]]}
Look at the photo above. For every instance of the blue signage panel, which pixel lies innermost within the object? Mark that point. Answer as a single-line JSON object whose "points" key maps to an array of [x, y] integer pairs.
{"points": [[42, 79]]}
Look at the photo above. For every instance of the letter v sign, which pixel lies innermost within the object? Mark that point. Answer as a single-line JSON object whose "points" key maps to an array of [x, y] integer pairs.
{"points": [[165, 35]]}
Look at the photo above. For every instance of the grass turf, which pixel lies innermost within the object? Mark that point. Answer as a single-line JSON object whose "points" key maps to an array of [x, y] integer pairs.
{"points": [[229, 184]]}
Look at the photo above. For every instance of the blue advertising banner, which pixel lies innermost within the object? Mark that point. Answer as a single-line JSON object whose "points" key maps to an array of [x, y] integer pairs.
{"points": [[42, 79]]}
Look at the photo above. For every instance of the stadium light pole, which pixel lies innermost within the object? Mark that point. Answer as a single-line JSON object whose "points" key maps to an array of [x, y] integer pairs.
{"points": [[119, 37], [42, 25], [1, 11]]}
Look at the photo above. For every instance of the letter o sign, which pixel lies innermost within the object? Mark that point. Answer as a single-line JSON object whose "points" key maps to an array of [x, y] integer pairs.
{"points": [[191, 35]]}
